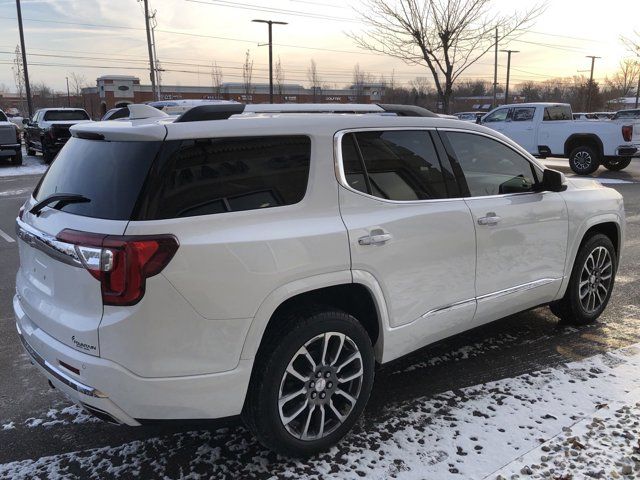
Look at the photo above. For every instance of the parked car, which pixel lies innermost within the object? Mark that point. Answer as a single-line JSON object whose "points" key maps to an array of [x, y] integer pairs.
{"points": [[627, 114], [10, 141], [226, 263], [469, 116], [48, 131], [548, 129]]}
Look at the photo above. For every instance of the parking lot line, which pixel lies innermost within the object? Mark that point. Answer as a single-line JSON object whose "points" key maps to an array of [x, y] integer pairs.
{"points": [[6, 237]]}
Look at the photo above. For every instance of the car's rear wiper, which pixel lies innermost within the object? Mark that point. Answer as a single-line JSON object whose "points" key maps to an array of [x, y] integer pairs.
{"points": [[63, 198]]}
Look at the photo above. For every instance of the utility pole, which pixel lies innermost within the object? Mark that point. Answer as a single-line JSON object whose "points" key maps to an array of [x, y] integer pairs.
{"points": [[638, 89], [495, 73], [155, 56], [68, 96], [590, 87], [151, 61], [506, 89], [270, 23], [24, 61]]}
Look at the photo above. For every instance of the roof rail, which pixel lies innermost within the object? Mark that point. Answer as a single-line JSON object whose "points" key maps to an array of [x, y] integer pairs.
{"points": [[210, 112], [406, 110]]}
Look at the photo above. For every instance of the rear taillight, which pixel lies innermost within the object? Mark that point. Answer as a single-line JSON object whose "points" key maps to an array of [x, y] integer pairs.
{"points": [[627, 132], [122, 263]]}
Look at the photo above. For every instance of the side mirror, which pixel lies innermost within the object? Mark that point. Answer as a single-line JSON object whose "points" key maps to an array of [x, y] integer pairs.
{"points": [[25, 121], [478, 120], [553, 181]]}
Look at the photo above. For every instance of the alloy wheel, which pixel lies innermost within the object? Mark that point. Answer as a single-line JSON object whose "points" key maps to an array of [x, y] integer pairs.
{"points": [[582, 160], [320, 386], [595, 279]]}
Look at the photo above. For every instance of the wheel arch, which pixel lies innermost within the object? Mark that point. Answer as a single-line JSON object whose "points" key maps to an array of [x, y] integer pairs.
{"points": [[341, 290], [579, 139], [609, 224]]}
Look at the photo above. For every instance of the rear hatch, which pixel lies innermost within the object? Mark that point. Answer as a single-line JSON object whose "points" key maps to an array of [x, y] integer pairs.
{"points": [[56, 291]]}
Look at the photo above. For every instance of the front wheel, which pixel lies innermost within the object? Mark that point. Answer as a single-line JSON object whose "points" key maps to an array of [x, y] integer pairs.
{"points": [[17, 158], [617, 164], [47, 156], [584, 160], [311, 381], [591, 282]]}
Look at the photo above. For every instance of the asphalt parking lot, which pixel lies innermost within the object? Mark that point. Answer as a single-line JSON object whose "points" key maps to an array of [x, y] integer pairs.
{"points": [[41, 432]]}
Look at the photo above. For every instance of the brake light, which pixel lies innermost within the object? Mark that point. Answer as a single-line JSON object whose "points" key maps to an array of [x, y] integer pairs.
{"points": [[122, 263], [627, 132]]}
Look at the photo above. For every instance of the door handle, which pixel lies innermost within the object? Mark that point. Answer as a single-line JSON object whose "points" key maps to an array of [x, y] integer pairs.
{"points": [[490, 219], [375, 237]]}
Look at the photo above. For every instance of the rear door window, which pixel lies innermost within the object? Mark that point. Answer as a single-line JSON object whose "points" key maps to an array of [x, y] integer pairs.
{"points": [[65, 115], [109, 174], [557, 112], [394, 165], [218, 175]]}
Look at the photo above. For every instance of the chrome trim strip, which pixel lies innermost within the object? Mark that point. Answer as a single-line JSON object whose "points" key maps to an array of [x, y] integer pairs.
{"points": [[518, 288], [447, 308], [507, 291], [48, 244], [68, 381]]}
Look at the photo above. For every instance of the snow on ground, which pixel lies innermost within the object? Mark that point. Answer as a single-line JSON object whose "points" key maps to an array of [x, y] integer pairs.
{"points": [[31, 165], [470, 433]]}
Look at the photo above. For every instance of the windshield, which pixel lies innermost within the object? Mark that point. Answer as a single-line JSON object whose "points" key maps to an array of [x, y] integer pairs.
{"points": [[56, 115], [109, 174], [3, 117]]}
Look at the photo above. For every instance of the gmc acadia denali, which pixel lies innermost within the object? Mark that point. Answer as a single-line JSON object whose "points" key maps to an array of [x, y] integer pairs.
{"points": [[231, 263]]}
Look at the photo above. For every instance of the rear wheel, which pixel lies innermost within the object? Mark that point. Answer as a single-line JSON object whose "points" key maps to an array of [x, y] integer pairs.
{"points": [[617, 164], [591, 282], [310, 382], [584, 160]]}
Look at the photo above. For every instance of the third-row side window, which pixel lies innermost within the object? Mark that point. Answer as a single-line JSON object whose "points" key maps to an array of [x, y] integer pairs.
{"points": [[395, 165]]}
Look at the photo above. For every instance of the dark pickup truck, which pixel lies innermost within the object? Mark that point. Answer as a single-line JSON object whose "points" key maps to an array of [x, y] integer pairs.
{"points": [[48, 131]]}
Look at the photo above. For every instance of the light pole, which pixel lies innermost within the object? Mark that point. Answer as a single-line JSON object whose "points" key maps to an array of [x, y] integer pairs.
{"points": [[270, 23], [68, 96], [24, 61], [590, 87], [506, 89]]}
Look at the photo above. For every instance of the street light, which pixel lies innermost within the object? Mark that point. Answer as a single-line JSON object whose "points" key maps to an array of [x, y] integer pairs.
{"points": [[270, 23], [506, 89]]}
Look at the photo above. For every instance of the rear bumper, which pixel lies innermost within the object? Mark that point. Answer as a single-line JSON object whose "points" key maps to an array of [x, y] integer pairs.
{"points": [[628, 151], [112, 392]]}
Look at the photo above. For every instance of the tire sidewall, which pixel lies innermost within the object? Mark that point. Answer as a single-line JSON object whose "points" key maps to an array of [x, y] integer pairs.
{"points": [[282, 355], [595, 160], [580, 314]]}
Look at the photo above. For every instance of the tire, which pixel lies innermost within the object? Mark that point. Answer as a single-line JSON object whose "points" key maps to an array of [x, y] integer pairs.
{"points": [[617, 164], [575, 307], [30, 150], [17, 158], [584, 160], [47, 156], [264, 412]]}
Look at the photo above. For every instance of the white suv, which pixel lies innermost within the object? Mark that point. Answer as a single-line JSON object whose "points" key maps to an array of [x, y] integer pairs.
{"points": [[262, 264]]}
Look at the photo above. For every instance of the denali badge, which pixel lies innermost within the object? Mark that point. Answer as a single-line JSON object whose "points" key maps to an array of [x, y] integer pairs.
{"points": [[82, 345]]}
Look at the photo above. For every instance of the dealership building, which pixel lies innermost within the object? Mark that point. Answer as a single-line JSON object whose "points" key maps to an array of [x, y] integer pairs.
{"points": [[114, 91]]}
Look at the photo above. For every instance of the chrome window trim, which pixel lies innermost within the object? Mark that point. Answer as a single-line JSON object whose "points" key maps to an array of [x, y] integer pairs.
{"points": [[48, 244], [342, 179], [67, 380]]}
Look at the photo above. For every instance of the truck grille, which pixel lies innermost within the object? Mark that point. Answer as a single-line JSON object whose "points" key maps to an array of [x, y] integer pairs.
{"points": [[7, 135]]}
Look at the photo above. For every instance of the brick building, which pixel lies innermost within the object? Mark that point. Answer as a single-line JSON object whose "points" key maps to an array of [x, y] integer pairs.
{"points": [[119, 90]]}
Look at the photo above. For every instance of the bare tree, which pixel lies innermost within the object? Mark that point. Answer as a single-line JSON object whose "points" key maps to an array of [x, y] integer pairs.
{"points": [[279, 74], [446, 36], [216, 79], [633, 44], [624, 80], [314, 80], [247, 73], [359, 80], [77, 82]]}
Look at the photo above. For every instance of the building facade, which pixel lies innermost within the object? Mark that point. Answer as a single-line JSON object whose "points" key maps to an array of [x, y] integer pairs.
{"points": [[114, 91]]}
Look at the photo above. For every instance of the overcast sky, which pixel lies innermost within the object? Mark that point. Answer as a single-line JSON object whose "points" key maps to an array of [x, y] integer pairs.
{"points": [[112, 40]]}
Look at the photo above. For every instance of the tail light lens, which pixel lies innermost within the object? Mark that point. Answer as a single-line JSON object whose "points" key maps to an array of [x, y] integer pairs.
{"points": [[122, 263], [627, 132]]}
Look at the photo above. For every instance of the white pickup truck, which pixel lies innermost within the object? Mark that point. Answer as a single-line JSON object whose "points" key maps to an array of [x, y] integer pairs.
{"points": [[548, 129]]}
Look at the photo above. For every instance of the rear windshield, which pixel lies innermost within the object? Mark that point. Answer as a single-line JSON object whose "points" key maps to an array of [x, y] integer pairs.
{"points": [[57, 115], [110, 174]]}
